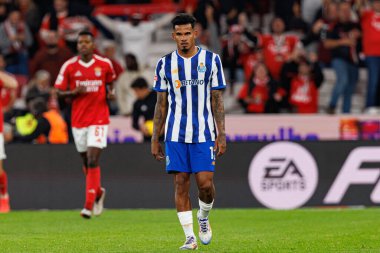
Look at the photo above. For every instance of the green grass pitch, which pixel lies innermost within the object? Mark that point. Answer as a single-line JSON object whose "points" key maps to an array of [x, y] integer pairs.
{"points": [[234, 230]]}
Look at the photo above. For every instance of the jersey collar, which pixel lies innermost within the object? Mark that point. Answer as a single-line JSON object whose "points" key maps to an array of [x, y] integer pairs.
{"points": [[199, 50], [86, 64]]}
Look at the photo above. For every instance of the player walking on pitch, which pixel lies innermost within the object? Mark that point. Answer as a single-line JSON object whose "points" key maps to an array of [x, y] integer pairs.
{"points": [[189, 84], [87, 79]]}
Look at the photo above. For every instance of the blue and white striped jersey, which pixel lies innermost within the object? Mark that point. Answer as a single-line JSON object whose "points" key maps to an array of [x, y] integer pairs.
{"points": [[189, 82]]}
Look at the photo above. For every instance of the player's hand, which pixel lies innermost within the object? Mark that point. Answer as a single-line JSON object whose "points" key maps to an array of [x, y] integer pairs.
{"points": [[111, 96], [79, 90], [157, 151], [220, 144]]}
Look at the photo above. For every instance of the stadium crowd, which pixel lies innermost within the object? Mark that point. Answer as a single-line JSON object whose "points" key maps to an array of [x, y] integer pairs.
{"points": [[277, 49]]}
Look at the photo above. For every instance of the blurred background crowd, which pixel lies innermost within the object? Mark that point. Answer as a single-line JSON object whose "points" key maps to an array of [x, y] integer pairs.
{"points": [[279, 56]]}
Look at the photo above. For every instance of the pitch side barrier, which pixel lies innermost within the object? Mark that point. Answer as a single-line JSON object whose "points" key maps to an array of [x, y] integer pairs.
{"points": [[278, 175]]}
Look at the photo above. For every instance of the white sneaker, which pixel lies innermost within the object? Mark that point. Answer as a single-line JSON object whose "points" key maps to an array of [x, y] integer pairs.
{"points": [[99, 203], [205, 232], [85, 213], [190, 244]]}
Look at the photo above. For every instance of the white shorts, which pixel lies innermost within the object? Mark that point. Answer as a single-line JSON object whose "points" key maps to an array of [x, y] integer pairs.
{"points": [[92, 136], [2, 149]]}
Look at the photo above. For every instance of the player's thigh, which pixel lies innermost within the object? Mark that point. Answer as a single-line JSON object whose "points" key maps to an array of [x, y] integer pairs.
{"points": [[2, 152], [80, 139], [177, 158], [2, 149], [202, 157], [97, 136]]}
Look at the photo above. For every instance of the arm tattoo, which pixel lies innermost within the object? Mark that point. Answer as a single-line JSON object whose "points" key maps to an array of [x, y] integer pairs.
{"points": [[217, 105], [160, 113]]}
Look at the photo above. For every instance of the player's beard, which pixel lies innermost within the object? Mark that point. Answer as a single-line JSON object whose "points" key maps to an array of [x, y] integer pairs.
{"points": [[185, 50]]}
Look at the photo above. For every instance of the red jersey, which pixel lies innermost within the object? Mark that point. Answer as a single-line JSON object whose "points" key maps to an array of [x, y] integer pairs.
{"points": [[304, 95], [370, 22], [277, 50], [91, 107], [1, 108]]}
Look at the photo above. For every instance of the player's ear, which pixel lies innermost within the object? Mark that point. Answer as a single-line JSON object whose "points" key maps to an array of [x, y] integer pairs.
{"points": [[196, 33], [173, 35]]}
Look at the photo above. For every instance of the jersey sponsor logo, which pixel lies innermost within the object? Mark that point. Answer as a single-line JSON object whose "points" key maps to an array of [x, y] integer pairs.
{"points": [[360, 168], [201, 68], [192, 82], [78, 73], [98, 71], [91, 85], [174, 71], [283, 175]]}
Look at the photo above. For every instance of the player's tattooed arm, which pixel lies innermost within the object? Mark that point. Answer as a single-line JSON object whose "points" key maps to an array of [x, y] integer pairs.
{"points": [[217, 105], [159, 119]]}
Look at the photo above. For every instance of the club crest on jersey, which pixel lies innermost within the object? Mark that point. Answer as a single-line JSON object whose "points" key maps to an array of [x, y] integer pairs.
{"points": [[201, 68], [98, 71]]}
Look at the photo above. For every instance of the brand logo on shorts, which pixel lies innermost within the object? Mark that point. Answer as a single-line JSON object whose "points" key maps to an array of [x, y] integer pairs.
{"points": [[167, 160], [283, 175]]}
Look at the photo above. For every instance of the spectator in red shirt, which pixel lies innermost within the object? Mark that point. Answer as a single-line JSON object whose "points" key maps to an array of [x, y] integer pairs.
{"points": [[370, 23], [303, 95], [67, 22], [259, 94], [277, 47], [50, 57]]}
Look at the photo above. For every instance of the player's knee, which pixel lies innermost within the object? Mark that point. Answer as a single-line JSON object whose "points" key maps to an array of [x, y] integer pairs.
{"points": [[181, 185], [206, 187]]}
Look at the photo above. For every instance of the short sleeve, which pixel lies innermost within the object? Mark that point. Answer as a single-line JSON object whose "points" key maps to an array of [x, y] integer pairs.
{"points": [[160, 81], [110, 73], [217, 81], [63, 78]]}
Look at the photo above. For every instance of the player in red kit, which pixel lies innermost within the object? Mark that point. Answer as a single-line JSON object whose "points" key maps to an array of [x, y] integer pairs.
{"points": [[88, 80], [8, 82]]}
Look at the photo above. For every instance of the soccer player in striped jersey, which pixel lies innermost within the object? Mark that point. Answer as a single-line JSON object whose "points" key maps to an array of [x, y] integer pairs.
{"points": [[189, 84]]}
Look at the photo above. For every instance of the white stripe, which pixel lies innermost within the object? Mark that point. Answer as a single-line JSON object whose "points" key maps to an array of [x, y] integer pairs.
{"points": [[210, 119], [189, 120], [201, 99], [178, 98], [67, 63], [221, 69], [163, 84]]}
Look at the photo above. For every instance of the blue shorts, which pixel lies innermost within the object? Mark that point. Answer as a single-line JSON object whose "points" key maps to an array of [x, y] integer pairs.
{"points": [[189, 157]]}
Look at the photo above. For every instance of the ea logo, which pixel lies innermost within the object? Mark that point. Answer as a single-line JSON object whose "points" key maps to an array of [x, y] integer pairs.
{"points": [[283, 175]]}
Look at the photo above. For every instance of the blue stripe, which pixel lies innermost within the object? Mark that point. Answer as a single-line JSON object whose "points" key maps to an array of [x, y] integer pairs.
{"points": [[220, 77], [194, 93], [208, 65], [157, 84], [168, 74], [182, 76]]}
